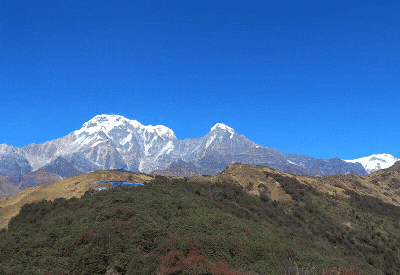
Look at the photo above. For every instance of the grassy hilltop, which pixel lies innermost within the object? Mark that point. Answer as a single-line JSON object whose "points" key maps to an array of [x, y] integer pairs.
{"points": [[67, 188]]}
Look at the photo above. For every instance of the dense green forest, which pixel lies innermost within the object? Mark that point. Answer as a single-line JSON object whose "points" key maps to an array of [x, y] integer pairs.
{"points": [[173, 226]]}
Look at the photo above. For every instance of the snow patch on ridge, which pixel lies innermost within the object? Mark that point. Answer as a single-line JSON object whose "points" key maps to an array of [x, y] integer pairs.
{"points": [[166, 149], [5, 148], [127, 139], [209, 141], [375, 162], [162, 131]]}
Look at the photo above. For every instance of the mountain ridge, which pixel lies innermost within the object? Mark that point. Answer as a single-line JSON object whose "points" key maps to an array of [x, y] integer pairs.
{"points": [[115, 142]]}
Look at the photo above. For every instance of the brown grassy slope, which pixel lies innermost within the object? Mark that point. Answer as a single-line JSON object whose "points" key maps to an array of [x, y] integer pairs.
{"points": [[67, 188], [394, 167], [252, 178], [383, 184], [257, 180], [176, 170]]}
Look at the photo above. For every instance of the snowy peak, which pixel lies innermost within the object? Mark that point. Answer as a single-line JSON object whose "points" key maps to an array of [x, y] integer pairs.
{"points": [[162, 131], [375, 162], [223, 127], [107, 123], [4, 148], [7, 149], [223, 138]]}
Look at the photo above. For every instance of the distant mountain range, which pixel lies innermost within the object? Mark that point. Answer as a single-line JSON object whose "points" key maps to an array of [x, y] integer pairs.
{"points": [[115, 142]]}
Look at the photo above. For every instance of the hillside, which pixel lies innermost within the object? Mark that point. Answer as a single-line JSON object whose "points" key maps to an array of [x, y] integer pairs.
{"points": [[257, 180], [175, 226], [246, 220], [261, 180], [67, 188], [181, 169]]}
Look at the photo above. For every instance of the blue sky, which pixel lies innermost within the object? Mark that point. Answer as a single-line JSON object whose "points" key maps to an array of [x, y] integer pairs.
{"points": [[320, 78]]}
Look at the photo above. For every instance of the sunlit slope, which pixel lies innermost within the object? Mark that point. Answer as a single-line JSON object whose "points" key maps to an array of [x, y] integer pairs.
{"points": [[252, 178], [67, 188], [265, 181], [257, 180]]}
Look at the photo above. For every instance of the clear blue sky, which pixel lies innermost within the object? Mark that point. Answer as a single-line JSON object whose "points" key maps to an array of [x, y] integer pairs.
{"points": [[320, 78]]}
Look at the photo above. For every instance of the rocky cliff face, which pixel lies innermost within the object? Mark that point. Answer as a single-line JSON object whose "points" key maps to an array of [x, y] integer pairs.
{"points": [[13, 164], [114, 142]]}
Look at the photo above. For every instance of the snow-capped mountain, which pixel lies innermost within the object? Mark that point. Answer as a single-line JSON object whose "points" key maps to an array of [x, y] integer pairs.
{"points": [[105, 142], [375, 162], [114, 142]]}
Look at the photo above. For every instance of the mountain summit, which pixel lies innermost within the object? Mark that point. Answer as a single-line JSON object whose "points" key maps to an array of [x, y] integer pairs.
{"points": [[109, 123], [223, 127]]}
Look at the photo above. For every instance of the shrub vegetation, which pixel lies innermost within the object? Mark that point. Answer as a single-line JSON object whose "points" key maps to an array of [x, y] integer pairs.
{"points": [[172, 226]]}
